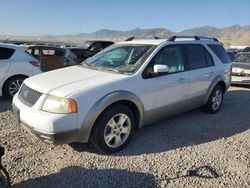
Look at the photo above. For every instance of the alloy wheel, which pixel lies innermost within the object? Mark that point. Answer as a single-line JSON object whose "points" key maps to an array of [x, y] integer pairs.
{"points": [[117, 130], [14, 86]]}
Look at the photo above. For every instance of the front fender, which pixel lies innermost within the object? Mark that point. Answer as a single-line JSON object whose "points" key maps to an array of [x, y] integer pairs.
{"points": [[101, 105]]}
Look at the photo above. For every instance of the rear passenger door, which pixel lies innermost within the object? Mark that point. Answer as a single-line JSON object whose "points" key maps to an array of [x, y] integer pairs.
{"points": [[201, 72], [5, 55]]}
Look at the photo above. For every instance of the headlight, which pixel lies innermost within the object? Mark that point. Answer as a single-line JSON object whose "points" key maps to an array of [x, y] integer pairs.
{"points": [[59, 105]]}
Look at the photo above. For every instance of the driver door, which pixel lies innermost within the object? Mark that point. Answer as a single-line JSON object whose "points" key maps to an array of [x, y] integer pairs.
{"points": [[166, 93]]}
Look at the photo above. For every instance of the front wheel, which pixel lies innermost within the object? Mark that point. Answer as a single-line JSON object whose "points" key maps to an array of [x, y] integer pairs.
{"points": [[215, 100], [113, 129]]}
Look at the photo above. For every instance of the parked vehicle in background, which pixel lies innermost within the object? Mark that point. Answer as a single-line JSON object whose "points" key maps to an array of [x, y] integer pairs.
{"points": [[89, 48], [247, 49], [231, 55], [122, 88], [79, 52], [15, 66], [241, 69], [52, 57], [94, 46]]}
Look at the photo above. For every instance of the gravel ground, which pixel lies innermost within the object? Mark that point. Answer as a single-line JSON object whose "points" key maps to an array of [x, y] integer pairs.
{"points": [[193, 149]]}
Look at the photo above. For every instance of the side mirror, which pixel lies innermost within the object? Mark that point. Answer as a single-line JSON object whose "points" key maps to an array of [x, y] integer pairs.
{"points": [[161, 69]]}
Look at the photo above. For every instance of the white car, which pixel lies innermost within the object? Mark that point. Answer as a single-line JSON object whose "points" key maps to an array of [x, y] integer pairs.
{"points": [[15, 66], [128, 85]]}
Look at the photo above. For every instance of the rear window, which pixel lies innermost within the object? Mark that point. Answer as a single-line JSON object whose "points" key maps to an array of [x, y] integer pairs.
{"points": [[48, 52], [220, 53], [6, 53]]}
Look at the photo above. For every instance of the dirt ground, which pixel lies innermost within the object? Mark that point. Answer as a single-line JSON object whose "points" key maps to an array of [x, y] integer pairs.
{"points": [[194, 149]]}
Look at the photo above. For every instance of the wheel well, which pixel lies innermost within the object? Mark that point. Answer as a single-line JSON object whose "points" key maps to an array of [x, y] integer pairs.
{"points": [[132, 107], [15, 76], [223, 85]]}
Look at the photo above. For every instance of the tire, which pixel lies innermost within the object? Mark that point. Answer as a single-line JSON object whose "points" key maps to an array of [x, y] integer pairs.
{"points": [[12, 86], [215, 100], [110, 136]]}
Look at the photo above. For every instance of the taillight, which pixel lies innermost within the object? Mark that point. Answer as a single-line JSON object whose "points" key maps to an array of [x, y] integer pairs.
{"points": [[35, 63]]}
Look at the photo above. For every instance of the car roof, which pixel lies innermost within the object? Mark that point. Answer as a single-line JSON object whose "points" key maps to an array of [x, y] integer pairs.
{"points": [[13, 46]]}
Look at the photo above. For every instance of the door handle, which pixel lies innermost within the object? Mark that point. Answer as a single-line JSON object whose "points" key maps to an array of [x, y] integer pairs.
{"points": [[212, 73], [208, 74]]}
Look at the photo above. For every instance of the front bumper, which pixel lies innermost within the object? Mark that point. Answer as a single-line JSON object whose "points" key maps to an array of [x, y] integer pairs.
{"points": [[244, 80], [51, 128], [52, 138]]}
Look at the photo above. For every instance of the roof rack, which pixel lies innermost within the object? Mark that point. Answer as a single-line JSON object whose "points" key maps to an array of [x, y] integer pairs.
{"points": [[130, 39], [209, 38], [174, 37]]}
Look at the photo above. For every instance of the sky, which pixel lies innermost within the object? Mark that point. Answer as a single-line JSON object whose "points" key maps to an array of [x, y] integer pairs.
{"points": [[52, 17]]}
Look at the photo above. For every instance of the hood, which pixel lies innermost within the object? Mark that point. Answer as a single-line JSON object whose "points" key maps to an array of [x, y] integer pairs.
{"points": [[63, 82]]}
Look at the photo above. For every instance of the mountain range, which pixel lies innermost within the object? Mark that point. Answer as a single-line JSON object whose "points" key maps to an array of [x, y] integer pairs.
{"points": [[233, 35]]}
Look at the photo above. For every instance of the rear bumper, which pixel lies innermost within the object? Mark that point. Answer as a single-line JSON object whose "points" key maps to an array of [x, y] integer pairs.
{"points": [[243, 80]]}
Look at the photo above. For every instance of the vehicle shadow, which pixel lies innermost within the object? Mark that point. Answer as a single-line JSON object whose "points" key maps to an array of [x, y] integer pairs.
{"points": [[5, 104], [76, 176], [192, 128]]}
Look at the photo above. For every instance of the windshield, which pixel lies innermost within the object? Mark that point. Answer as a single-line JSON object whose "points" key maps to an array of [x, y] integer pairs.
{"points": [[87, 44], [243, 58], [121, 58]]}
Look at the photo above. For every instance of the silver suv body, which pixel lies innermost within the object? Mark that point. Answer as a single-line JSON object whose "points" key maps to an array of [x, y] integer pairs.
{"points": [[122, 88]]}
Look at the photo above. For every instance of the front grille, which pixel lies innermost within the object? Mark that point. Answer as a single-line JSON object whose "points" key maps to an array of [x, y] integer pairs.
{"points": [[28, 96]]}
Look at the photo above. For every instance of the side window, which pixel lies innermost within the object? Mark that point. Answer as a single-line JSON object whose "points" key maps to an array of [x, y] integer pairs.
{"points": [[198, 57], [6, 53], [210, 61], [220, 53], [36, 52], [172, 57]]}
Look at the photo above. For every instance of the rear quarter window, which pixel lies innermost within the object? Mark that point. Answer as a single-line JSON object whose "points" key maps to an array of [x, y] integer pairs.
{"points": [[220, 52], [6, 53]]}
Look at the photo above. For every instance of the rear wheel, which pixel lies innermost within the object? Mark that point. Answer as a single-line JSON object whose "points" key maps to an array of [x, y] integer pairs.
{"points": [[113, 129], [12, 86], [215, 100]]}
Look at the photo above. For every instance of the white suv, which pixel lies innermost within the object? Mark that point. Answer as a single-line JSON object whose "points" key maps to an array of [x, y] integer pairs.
{"points": [[15, 66], [122, 88]]}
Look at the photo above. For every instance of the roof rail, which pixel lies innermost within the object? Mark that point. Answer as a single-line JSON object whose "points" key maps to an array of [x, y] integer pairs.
{"points": [[208, 38], [174, 37]]}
